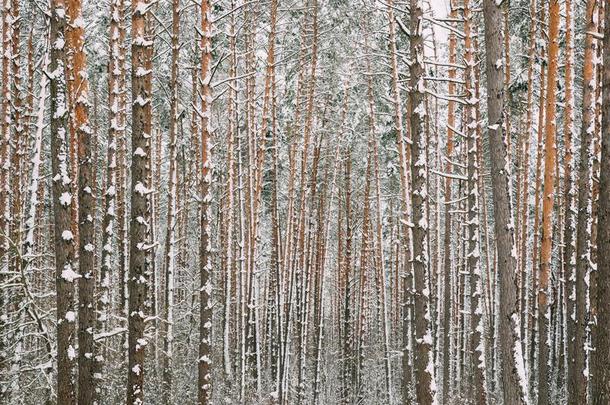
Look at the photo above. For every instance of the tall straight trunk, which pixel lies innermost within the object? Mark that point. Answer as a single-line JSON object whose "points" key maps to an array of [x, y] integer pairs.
{"points": [[601, 335], [404, 245], [253, 335], [532, 326], [544, 307], [170, 235], [292, 217], [490, 265], [319, 267], [19, 141], [378, 259], [381, 276], [365, 263], [229, 204], [65, 249], [345, 273], [473, 254], [155, 279], [277, 258], [240, 310], [77, 70], [254, 146], [569, 190], [116, 130], [303, 265], [204, 382], [528, 133], [447, 260], [122, 172], [140, 232], [424, 363], [512, 372], [506, 51], [577, 384], [322, 254], [5, 131], [595, 167]]}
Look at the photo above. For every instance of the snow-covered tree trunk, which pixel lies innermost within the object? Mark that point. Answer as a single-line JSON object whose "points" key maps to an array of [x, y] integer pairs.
{"points": [[577, 389], [550, 157], [116, 131], [65, 249], [140, 243], [170, 235], [204, 381], [303, 222], [512, 372], [277, 257], [425, 386], [5, 132], [348, 367], [528, 134], [569, 189], [447, 236], [535, 258], [404, 164], [595, 171], [381, 274], [20, 145], [77, 72], [122, 171], [255, 149], [507, 77], [473, 253], [229, 204], [601, 334]]}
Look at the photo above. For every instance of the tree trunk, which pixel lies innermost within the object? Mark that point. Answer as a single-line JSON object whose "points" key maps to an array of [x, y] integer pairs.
{"points": [[5, 132], [65, 249], [447, 259], [569, 210], [424, 365], [204, 382], [533, 290], [140, 243], [544, 307], [528, 134], [512, 376], [601, 335], [116, 131], [473, 254], [404, 245], [170, 235], [569, 236], [77, 71], [577, 386]]}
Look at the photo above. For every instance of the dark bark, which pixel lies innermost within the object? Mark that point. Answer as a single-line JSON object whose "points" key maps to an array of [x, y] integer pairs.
{"points": [[204, 383], [65, 249], [503, 224], [419, 196], [601, 333], [140, 244], [577, 381]]}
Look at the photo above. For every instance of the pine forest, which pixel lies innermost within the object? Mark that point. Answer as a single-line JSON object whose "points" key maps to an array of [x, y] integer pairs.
{"points": [[300, 202]]}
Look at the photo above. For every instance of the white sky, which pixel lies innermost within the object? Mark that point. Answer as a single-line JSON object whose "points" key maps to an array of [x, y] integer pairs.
{"points": [[441, 10], [441, 7]]}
